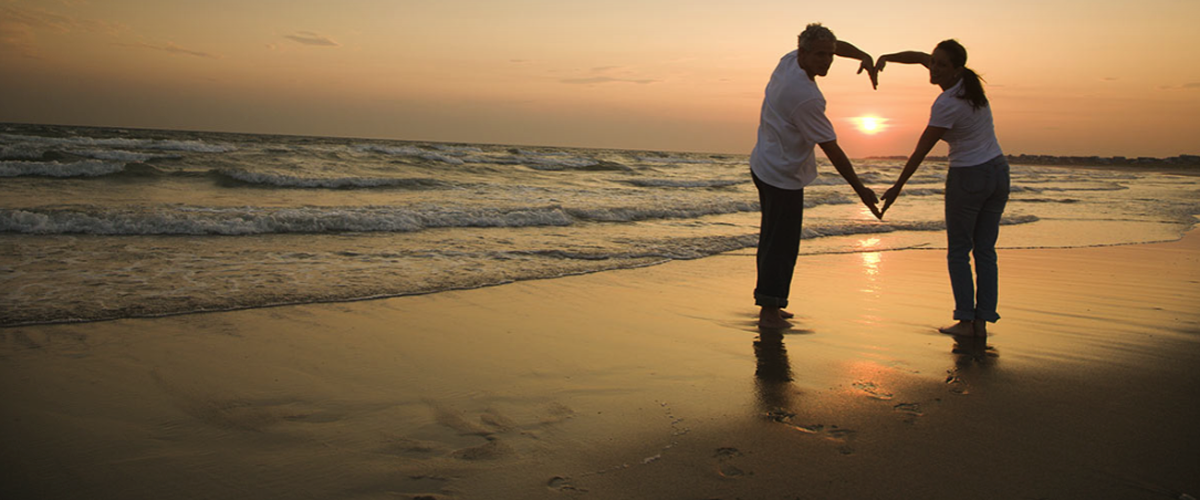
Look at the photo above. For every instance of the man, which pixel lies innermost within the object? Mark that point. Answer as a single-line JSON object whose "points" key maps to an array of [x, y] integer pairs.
{"points": [[783, 161]]}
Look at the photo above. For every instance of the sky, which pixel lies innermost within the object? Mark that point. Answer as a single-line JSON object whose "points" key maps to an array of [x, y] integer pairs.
{"points": [[1065, 77]]}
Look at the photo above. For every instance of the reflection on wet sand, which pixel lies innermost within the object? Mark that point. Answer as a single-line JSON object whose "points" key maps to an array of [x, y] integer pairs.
{"points": [[973, 351], [773, 374], [968, 352]]}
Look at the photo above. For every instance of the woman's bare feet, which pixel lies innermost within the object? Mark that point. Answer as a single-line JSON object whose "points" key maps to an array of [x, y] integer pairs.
{"points": [[980, 328], [772, 317], [961, 329]]}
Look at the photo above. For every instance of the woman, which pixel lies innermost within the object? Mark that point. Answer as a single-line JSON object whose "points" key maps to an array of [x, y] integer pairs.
{"points": [[977, 184]]}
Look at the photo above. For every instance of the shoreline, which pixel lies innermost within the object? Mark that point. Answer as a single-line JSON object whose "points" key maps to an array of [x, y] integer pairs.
{"points": [[637, 383], [80, 321]]}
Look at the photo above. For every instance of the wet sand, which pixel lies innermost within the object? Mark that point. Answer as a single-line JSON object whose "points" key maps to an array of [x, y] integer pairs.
{"points": [[646, 383]]}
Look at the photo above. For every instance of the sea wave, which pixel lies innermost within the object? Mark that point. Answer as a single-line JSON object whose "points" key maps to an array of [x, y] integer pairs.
{"points": [[257, 220], [410, 151], [195, 146], [87, 168], [269, 179], [674, 160], [685, 183]]}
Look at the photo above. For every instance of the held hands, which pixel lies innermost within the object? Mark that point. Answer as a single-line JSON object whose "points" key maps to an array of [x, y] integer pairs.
{"points": [[870, 200], [889, 197]]}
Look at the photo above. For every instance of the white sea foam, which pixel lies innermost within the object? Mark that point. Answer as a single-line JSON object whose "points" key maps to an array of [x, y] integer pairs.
{"points": [[252, 220], [21, 152], [195, 146], [87, 168]]}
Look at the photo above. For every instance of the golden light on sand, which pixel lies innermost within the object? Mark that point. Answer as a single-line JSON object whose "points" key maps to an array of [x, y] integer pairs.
{"points": [[870, 125]]}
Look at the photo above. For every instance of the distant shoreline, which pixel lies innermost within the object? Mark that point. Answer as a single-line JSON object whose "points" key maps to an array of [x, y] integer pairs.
{"points": [[1182, 164]]}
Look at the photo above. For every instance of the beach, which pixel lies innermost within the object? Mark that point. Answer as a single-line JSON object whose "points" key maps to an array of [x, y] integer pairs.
{"points": [[636, 383]]}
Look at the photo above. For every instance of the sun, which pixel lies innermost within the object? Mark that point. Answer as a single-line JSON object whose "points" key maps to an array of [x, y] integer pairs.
{"points": [[870, 125]]}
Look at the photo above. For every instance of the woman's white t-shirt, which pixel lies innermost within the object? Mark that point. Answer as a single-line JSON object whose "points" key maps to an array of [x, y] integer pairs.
{"points": [[971, 134]]}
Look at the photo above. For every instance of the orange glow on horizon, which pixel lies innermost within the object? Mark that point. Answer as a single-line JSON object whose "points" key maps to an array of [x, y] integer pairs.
{"points": [[629, 75]]}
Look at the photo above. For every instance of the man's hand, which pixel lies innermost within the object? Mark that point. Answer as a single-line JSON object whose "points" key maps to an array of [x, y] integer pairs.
{"points": [[872, 70], [871, 201]]}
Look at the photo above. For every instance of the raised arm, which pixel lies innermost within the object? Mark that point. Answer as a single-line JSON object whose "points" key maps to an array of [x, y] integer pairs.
{"points": [[847, 49], [925, 144], [842, 163], [906, 57]]}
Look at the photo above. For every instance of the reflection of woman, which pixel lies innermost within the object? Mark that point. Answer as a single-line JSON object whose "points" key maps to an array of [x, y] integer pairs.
{"points": [[977, 184]]}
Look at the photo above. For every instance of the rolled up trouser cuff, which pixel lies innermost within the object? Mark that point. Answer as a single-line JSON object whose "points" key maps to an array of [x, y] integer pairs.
{"points": [[768, 301]]}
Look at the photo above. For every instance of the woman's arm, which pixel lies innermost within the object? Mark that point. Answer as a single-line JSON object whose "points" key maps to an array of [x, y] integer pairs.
{"points": [[842, 163], [906, 57], [925, 144]]}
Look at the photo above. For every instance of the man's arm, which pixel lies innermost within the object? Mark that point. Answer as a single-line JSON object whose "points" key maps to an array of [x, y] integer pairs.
{"points": [[847, 49], [906, 57], [843, 166]]}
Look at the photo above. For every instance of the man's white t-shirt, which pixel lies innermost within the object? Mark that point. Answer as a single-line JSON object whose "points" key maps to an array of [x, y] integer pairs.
{"points": [[793, 122], [971, 134]]}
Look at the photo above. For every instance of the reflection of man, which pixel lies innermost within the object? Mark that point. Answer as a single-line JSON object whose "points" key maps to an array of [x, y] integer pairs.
{"points": [[783, 161]]}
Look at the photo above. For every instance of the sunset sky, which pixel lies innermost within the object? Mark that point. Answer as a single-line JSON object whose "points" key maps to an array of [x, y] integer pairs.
{"points": [[1065, 77]]}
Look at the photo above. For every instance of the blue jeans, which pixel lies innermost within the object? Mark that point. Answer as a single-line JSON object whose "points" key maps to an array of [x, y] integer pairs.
{"points": [[975, 200]]}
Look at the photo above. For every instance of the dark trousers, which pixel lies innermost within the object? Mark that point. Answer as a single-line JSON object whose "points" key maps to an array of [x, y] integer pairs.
{"points": [[778, 242], [975, 200]]}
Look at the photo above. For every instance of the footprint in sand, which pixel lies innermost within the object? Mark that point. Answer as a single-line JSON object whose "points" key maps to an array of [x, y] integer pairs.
{"points": [[910, 410], [832, 433], [873, 391], [957, 385], [563, 485], [726, 469], [491, 450]]}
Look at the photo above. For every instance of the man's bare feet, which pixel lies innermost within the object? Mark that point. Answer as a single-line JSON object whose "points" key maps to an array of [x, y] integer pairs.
{"points": [[960, 329], [772, 317], [980, 328], [786, 315]]}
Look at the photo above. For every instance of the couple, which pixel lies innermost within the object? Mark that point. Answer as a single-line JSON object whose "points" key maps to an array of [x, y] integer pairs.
{"points": [[783, 162]]}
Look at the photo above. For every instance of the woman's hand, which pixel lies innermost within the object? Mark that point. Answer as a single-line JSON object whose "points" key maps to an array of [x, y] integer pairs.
{"points": [[889, 197], [881, 62]]}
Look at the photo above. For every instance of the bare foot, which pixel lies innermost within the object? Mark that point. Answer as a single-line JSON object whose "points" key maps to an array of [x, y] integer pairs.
{"points": [[772, 317], [960, 329], [786, 315], [980, 328]]}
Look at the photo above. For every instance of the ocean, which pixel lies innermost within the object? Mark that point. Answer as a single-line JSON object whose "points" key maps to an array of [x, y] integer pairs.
{"points": [[107, 223]]}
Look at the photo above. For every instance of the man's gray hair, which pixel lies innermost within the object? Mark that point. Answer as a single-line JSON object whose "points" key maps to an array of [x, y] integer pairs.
{"points": [[812, 33]]}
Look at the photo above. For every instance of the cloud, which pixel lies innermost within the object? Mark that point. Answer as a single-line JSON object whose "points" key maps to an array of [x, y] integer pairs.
{"points": [[604, 79], [624, 76], [170, 48], [19, 27], [1186, 86], [310, 38]]}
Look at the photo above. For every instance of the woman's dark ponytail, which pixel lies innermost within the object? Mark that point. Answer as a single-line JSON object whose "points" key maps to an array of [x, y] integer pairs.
{"points": [[972, 89]]}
